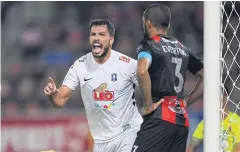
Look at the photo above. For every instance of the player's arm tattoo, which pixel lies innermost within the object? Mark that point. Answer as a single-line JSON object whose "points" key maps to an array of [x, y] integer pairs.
{"points": [[194, 143], [144, 81], [197, 91]]}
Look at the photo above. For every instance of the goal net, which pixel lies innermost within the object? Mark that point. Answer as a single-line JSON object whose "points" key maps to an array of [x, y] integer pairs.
{"points": [[230, 75], [221, 76]]}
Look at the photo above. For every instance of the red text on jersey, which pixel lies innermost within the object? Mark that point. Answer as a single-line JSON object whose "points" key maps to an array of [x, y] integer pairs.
{"points": [[103, 96]]}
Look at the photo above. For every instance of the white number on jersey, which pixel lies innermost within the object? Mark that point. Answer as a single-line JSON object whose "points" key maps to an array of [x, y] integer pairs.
{"points": [[178, 61]]}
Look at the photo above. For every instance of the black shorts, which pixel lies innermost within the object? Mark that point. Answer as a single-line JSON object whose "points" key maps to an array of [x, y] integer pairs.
{"points": [[157, 135]]}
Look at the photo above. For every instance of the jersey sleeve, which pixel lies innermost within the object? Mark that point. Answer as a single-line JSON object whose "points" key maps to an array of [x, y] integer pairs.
{"points": [[71, 79], [199, 131], [195, 64], [144, 47]]}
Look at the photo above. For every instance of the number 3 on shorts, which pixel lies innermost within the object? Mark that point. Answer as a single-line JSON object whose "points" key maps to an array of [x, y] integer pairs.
{"points": [[135, 147]]}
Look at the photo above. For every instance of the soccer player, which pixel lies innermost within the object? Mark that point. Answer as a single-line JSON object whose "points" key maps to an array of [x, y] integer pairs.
{"points": [[231, 131], [162, 66], [107, 80]]}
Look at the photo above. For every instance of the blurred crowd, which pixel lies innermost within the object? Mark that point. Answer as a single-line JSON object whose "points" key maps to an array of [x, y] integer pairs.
{"points": [[42, 39]]}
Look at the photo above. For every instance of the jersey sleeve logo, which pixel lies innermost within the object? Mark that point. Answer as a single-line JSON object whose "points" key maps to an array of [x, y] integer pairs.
{"points": [[124, 58]]}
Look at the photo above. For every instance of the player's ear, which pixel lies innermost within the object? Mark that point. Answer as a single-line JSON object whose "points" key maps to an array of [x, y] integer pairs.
{"points": [[111, 40], [149, 24]]}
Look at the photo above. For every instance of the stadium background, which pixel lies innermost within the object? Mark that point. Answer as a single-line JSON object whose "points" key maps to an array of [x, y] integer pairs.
{"points": [[42, 39]]}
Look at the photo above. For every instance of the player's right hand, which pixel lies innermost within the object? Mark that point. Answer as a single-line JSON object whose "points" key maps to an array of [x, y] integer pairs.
{"points": [[50, 88], [150, 109]]}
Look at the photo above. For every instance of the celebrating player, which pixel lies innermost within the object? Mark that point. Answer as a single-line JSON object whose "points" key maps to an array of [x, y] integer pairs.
{"points": [[107, 80], [231, 131], [162, 66]]}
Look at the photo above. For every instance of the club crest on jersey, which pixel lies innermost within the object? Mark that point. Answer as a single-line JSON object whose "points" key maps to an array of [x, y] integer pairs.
{"points": [[124, 58], [113, 77]]}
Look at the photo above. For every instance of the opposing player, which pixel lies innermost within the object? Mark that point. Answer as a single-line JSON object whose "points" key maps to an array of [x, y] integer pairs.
{"points": [[231, 131], [162, 66], [107, 80]]}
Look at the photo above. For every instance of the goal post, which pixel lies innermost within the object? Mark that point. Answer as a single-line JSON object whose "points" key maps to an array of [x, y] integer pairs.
{"points": [[212, 67]]}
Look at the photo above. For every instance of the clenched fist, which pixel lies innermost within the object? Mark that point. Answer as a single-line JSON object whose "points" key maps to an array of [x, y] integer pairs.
{"points": [[51, 88]]}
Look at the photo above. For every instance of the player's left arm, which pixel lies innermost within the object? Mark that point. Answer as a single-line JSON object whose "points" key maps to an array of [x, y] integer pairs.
{"points": [[195, 66]]}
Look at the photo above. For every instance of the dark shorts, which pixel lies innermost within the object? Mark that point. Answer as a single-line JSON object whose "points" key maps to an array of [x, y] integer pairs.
{"points": [[157, 135]]}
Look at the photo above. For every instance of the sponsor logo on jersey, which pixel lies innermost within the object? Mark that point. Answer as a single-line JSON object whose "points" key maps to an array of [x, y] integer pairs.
{"points": [[102, 94], [102, 97], [175, 106], [114, 77], [124, 58], [97, 105]]}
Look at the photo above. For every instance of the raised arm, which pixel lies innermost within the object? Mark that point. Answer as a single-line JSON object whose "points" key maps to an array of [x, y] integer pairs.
{"points": [[58, 97]]}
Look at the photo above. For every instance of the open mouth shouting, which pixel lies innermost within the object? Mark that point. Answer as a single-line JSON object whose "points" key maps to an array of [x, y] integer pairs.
{"points": [[97, 48]]}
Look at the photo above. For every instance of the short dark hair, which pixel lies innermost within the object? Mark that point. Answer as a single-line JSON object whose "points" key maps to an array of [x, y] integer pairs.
{"points": [[159, 15], [98, 22]]}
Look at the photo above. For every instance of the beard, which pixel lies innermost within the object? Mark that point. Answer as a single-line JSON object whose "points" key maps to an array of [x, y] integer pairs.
{"points": [[105, 51]]}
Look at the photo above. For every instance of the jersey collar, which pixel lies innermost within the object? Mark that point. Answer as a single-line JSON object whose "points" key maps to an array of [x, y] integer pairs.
{"points": [[104, 64]]}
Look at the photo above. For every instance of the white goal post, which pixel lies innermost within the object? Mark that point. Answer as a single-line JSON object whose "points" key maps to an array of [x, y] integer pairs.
{"points": [[212, 66]]}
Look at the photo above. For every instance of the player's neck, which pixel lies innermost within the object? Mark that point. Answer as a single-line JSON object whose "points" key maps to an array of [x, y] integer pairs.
{"points": [[105, 58], [155, 32]]}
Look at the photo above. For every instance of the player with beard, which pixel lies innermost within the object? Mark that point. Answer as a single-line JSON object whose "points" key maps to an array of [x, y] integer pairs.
{"points": [[162, 66], [107, 82]]}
